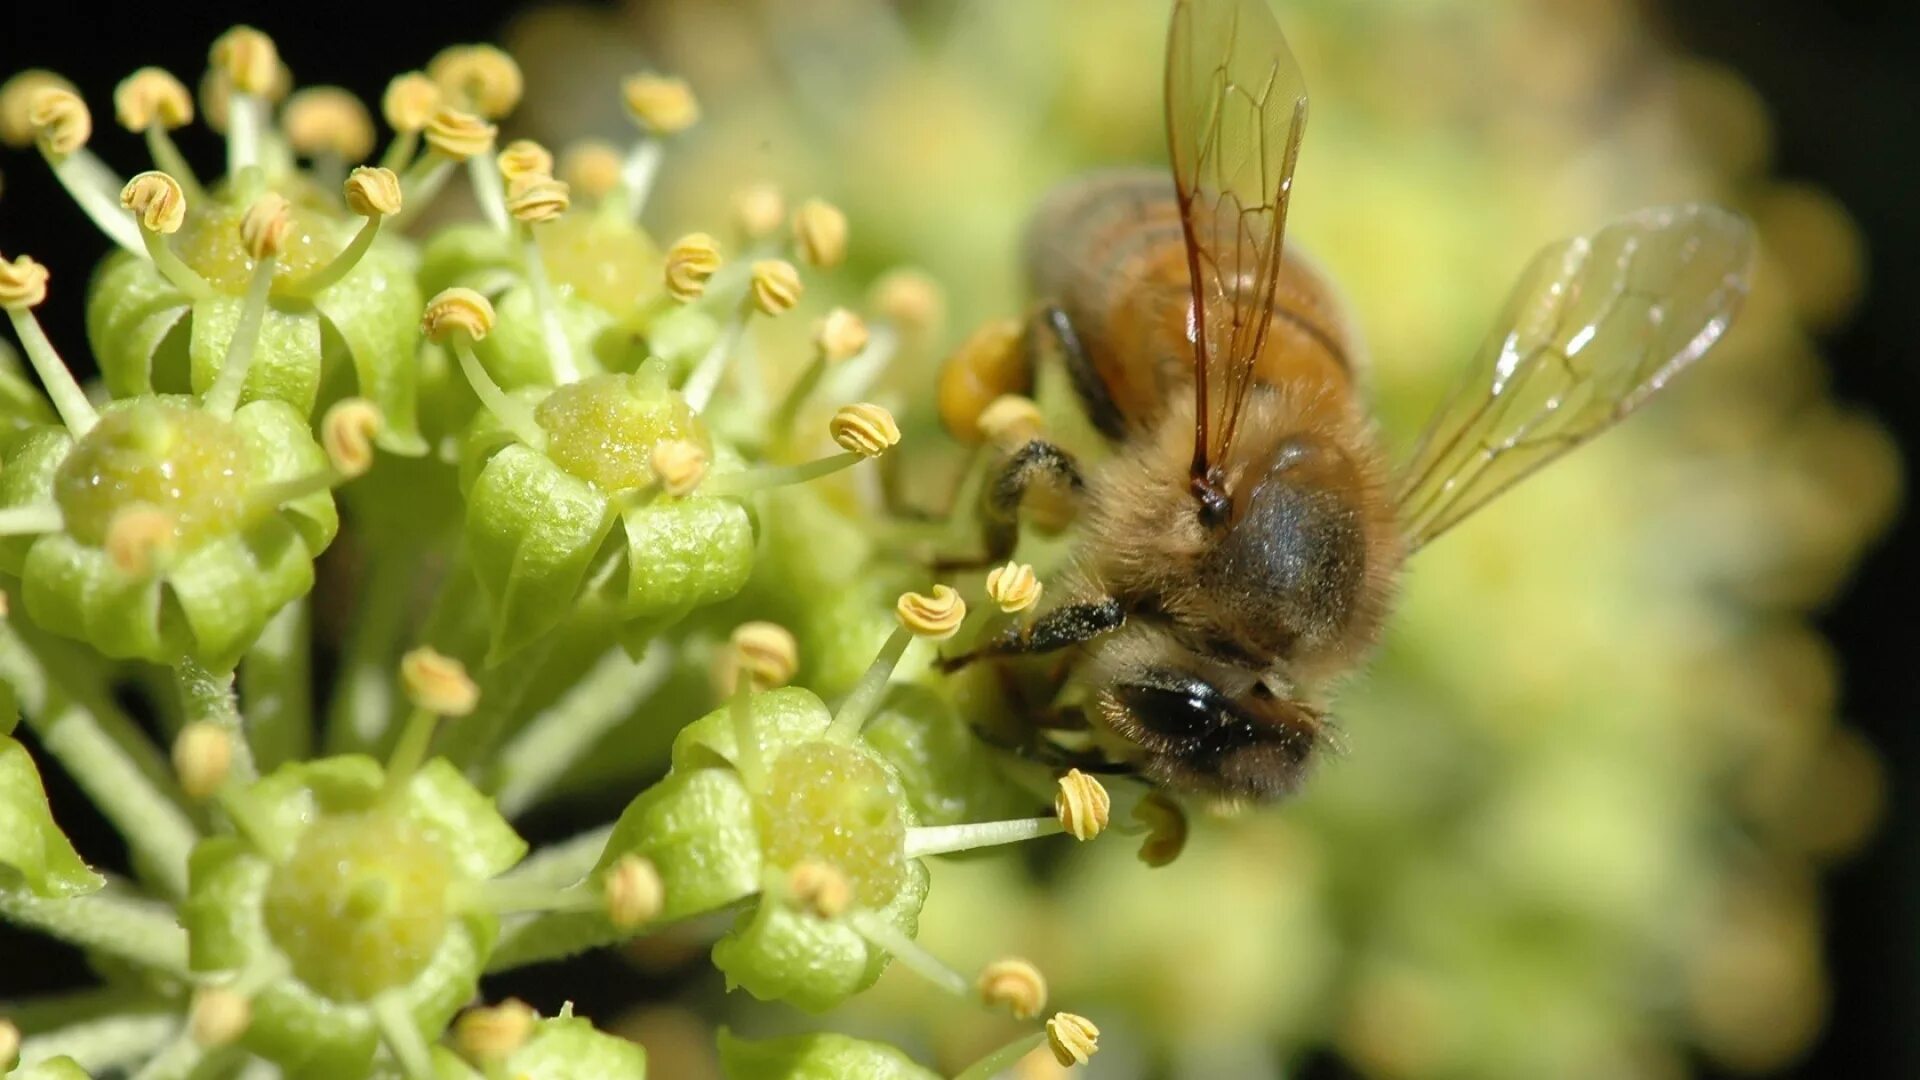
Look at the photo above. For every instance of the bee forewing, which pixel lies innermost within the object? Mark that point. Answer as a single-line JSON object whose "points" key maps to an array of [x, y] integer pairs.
{"points": [[1596, 325]]}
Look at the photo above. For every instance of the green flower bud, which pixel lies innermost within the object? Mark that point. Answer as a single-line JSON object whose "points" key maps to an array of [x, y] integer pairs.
{"points": [[822, 1056], [360, 895], [568, 1046], [33, 850], [536, 521], [59, 1068], [949, 774], [213, 539]]}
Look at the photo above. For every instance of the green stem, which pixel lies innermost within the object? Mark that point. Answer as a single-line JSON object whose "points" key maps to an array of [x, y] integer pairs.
{"points": [[167, 157], [534, 760], [106, 755], [752, 480], [276, 683], [224, 395], [96, 189], [207, 697], [76, 412], [362, 706], [562, 864], [866, 693], [424, 179], [314, 283], [415, 737], [146, 934], [176, 1062], [400, 151], [781, 429], [559, 934], [706, 375], [178, 274], [1004, 1058], [560, 360], [878, 931], [245, 118], [927, 840], [397, 1029], [746, 755], [103, 1044], [30, 520], [637, 174], [501, 690], [483, 171], [515, 415]]}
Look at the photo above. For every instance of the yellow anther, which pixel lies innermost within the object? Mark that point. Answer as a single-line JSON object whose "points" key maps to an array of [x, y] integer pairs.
{"points": [[265, 226], [776, 286], [1015, 984], [864, 428], [152, 96], [936, 617], [438, 684], [522, 157], [909, 299], [537, 197], [1011, 421], [457, 310], [16, 103], [157, 200], [216, 95], [457, 134], [820, 233], [765, 653], [409, 101], [1082, 805], [679, 465], [493, 1033], [328, 120], [1073, 1038], [248, 59], [759, 209], [1013, 587], [9, 1045], [202, 756], [138, 539], [634, 892], [483, 76], [218, 1016], [819, 889], [347, 432], [592, 167], [1166, 825], [840, 335], [691, 261], [23, 284], [60, 120], [372, 191], [661, 104]]}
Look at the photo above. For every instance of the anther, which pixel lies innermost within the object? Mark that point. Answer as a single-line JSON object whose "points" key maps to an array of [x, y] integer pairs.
{"points": [[1082, 805], [864, 428]]}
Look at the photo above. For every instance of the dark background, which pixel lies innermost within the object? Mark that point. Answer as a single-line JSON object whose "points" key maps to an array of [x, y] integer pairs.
{"points": [[1841, 79]]}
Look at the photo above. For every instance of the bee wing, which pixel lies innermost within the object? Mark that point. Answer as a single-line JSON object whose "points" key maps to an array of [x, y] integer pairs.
{"points": [[1236, 108], [1596, 326]]}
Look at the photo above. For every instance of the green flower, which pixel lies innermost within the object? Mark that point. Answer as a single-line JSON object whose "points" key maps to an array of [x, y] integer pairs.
{"points": [[823, 1056]]}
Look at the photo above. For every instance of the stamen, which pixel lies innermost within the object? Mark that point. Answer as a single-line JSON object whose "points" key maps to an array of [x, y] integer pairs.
{"points": [[202, 758], [747, 761], [766, 478], [820, 234], [1082, 805], [268, 497], [1166, 825], [329, 125], [250, 65], [1007, 1057], [407, 105], [836, 338], [592, 167], [458, 317], [347, 433], [865, 429], [139, 539], [452, 137], [706, 375], [1073, 1038], [678, 466], [1013, 588], [491, 1034], [759, 209], [374, 194], [523, 157], [218, 1016], [159, 205], [538, 198], [818, 889], [263, 234], [438, 686], [151, 102], [776, 286], [690, 264], [911, 300], [936, 618], [393, 1014], [635, 895], [31, 520], [61, 126], [661, 106], [16, 103], [925, 840], [23, 285], [1014, 984], [911, 955], [482, 78], [765, 653]]}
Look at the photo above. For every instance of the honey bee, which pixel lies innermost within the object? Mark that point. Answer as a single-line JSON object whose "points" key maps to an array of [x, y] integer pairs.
{"points": [[1238, 550]]}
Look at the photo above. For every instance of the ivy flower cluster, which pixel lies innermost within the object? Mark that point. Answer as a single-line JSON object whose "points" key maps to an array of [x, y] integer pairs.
{"points": [[535, 453]]}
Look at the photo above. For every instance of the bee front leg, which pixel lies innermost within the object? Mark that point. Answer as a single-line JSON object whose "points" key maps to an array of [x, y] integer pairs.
{"points": [[1063, 627], [1037, 464]]}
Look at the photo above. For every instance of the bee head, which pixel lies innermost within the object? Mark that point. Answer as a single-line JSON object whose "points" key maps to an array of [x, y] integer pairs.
{"points": [[1197, 735]]}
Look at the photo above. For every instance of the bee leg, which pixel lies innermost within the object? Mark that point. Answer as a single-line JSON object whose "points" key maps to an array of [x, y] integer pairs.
{"points": [[1038, 462], [1064, 626], [1087, 384]]}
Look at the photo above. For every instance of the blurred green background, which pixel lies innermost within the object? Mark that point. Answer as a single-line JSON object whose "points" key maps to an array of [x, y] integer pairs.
{"points": [[1603, 769]]}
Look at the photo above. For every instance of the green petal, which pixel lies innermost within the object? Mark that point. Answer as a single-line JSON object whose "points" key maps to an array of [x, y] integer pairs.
{"points": [[567, 1047], [31, 845], [515, 353], [376, 311], [531, 531], [221, 912], [780, 720], [22, 405], [458, 254], [821, 1056], [950, 775], [685, 553], [463, 821], [28, 461], [812, 574], [60, 1068], [697, 829], [280, 804], [286, 360], [283, 448], [131, 308], [76, 592]]}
